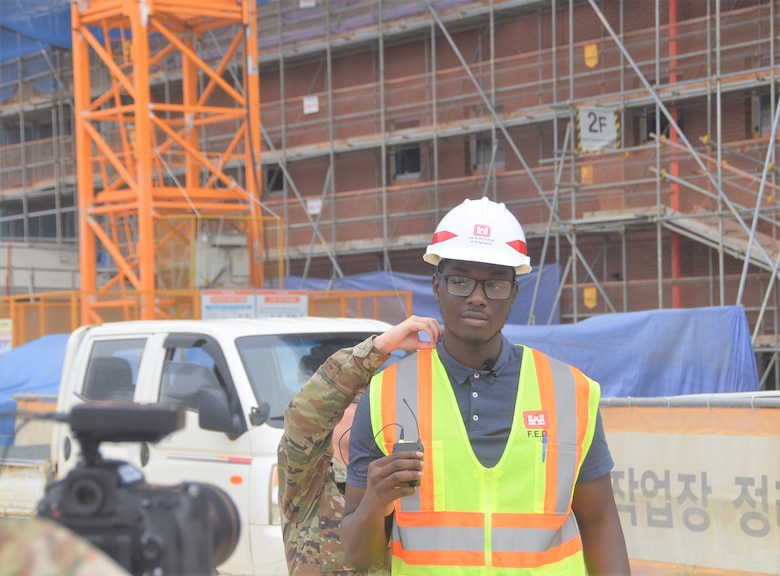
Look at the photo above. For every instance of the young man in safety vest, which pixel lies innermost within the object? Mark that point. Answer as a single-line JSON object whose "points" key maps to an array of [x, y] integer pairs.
{"points": [[512, 463]]}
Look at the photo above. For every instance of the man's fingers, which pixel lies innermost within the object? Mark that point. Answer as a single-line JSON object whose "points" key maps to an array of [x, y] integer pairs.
{"points": [[396, 468]]}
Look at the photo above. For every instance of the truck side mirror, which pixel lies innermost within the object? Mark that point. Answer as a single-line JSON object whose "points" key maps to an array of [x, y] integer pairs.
{"points": [[214, 412]]}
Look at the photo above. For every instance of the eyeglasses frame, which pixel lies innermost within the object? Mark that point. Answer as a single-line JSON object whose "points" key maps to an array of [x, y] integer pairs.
{"points": [[446, 278]]}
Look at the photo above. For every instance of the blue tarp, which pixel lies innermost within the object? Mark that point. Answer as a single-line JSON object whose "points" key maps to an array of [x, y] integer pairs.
{"points": [[654, 353], [639, 354], [34, 367], [650, 353], [423, 302]]}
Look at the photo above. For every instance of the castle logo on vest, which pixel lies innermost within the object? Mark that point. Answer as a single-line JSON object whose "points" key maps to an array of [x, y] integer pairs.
{"points": [[536, 419]]}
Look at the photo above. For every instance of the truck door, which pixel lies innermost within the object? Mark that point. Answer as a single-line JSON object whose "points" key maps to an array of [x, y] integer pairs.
{"points": [[110, 372], [192, 362]]}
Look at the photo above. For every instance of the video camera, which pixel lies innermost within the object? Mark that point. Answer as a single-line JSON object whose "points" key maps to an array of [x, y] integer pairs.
{"points": [[189, 528]]}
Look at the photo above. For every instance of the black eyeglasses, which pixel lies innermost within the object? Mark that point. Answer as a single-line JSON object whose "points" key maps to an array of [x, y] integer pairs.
{"points": [[465, 286]]}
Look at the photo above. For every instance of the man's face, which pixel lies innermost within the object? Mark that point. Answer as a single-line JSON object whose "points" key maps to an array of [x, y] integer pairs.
{"points": [[474, 319]]}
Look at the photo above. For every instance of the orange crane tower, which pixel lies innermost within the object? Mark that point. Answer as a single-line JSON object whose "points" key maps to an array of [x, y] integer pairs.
{"points": [[147, 174]]}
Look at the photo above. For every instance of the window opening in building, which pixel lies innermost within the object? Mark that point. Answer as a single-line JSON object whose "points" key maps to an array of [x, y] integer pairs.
{"points": [[273, 179], [765, 116], [647, 127], [482, 152], [406, 162]]}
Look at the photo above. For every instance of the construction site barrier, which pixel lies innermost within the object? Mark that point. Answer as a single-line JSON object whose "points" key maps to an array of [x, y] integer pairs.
{"points": [[697, 482], [34, 315]]}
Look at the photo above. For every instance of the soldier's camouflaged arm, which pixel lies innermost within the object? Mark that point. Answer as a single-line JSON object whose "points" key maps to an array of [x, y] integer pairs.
{"points": [[305, 451]]}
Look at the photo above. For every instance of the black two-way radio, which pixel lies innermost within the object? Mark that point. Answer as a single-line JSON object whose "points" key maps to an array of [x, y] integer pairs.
{"points": [[409, 446]]}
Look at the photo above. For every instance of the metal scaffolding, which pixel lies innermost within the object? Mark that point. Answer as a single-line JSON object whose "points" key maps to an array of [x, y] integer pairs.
{"points": [[367, 104], [636, 186]]}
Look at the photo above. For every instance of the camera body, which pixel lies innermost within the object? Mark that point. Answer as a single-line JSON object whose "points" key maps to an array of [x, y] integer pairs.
{"points": [[189, 528]]}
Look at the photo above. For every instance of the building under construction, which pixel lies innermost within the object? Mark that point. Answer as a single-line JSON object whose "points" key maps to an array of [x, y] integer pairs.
{"points": [[634, 140]]}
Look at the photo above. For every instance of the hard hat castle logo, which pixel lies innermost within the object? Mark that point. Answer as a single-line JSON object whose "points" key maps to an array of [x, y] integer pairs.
{"points": [[482, 230]]}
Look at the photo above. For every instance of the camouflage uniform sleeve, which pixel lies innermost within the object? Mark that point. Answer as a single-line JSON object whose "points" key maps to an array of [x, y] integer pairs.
{"points": [[41, 546], [305, 451]]}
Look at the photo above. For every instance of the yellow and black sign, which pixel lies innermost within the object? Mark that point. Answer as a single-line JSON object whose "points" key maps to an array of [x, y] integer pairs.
{"points": [[598, 129]]}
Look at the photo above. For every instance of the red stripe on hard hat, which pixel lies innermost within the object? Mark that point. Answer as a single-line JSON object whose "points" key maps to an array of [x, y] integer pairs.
{"points": [[442, 236], [519, 245]]}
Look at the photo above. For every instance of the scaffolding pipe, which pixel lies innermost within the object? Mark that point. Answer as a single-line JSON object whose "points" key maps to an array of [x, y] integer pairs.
{"points": [[659, 227], [435, 119], [493, 135], [674, 167], [719, 131], [573, 196], [331, 153], [283, 127], [721, 400], [323, 196], [548, 230], [383, 119], [769, 153]]}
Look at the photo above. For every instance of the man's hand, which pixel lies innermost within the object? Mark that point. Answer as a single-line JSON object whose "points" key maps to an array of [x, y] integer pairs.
{"points": [[365, 527], [386, 475], [406, 335]]}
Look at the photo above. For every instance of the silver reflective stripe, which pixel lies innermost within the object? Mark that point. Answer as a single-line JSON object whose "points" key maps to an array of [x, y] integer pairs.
{"points": [[410, 503], [406, 389], [441, 538], [472, 539], [566, 414], [533, 540]]}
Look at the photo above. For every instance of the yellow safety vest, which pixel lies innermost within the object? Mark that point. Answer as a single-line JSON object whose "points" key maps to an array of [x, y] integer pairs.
{"points": [[465, 519]]}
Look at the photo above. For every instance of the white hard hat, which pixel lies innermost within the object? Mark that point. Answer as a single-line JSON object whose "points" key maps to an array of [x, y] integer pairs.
{"points": [[480, 231]]}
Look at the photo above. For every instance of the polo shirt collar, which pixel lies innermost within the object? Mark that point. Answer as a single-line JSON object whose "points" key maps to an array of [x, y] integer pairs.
{"points": [[460, 373]]}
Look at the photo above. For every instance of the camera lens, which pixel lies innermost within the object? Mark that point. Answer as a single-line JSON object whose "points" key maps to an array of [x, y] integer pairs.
{"points": [[86, 497], [223, 515]]}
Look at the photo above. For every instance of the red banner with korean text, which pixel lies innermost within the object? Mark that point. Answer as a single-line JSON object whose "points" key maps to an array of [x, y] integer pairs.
{"points": [[697, 488]]}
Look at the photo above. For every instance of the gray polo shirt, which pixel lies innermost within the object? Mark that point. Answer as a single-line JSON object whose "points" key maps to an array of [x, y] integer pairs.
{"points": [[487, 402]]}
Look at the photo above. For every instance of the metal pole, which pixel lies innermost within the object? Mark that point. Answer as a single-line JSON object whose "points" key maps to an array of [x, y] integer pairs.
{"points": [[383, 119], [656, 129], [331, 153], [719, 131]]}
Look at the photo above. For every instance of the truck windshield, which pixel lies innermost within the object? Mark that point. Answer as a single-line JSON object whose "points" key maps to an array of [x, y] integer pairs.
{"points": [[278, 365]]}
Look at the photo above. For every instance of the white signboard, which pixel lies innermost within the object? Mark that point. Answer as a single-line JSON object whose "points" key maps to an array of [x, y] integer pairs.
{"points": [[227, 304], [313, 206], [311, 104], [697, 489], [285, 303], [598, 129]]}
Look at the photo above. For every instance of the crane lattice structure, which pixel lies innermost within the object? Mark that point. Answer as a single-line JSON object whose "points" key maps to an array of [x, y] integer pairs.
{"points": [[147, 176]]}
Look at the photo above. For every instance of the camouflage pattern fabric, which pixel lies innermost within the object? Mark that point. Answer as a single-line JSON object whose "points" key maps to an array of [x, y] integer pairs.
{"points": [[311, 504], [41, 547]]}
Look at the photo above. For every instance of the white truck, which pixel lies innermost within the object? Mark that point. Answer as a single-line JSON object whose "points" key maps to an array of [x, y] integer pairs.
{"points": [[235, 377]]}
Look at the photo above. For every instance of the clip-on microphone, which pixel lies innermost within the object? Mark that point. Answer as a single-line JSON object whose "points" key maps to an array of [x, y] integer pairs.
{"points": [[489, 367]]}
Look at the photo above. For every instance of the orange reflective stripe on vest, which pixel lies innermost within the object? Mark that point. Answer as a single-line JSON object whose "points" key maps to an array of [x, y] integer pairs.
{"points": [[469, 516]]}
